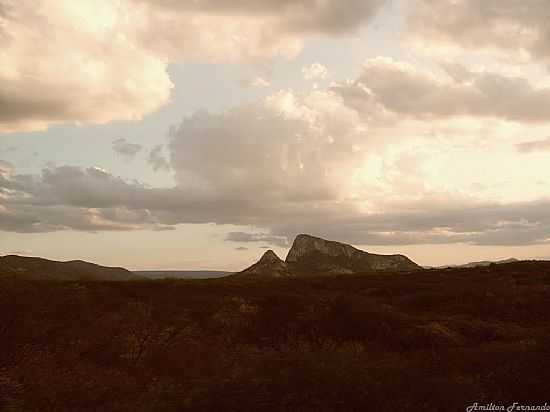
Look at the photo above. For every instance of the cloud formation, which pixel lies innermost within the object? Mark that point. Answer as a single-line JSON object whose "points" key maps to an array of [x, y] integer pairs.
{"points": [[74, 61], [314, 71], [95, 61], [290, 164], [404, 154], [126, 149], [49, 203], [157, 160], [403, 89], [508, 26]]}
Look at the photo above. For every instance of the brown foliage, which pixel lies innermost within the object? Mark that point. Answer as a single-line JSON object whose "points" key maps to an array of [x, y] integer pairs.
{"points": [[432, 340]]}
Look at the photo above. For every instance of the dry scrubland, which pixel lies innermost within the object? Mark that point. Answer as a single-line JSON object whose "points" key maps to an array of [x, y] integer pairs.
{"points": [[428, 341]]}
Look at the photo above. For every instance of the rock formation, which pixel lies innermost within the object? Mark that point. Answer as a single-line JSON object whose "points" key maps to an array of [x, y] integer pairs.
{"points": [[269, 265], [311, 256]]}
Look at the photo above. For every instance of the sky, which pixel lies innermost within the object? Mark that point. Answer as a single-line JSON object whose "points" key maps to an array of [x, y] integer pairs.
{"points": [[164, 134]]}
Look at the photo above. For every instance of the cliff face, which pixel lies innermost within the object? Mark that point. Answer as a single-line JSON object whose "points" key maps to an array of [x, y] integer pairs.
{"points": [[312, 256], [305, 245]]}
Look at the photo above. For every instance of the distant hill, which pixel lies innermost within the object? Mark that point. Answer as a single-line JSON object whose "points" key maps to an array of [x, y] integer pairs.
{"points": [[181, 274], [481, 263], [311, 255], [34, 268]]}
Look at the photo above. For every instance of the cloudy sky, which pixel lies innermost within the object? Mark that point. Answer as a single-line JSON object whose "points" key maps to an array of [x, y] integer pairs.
{"points": [[165, 134]]}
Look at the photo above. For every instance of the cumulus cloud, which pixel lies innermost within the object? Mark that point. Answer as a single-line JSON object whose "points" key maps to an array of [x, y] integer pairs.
{"points": [[126, 149], [502, 25], [289, 164], [403, 89], [283, 158], [74, 61], [95, 61], [314, 71], [285, 150], [534, 146], [318, 163]]}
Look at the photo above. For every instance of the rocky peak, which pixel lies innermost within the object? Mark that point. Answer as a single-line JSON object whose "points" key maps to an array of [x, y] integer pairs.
{"points": [[305, 244], [270, 257], [269, 265], [313, 256], [310, 254]]}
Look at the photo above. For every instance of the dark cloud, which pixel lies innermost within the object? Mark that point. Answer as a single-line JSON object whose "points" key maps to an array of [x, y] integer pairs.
{"points": [[422, 223], [402, 89], [157, 160], [93, 200]]}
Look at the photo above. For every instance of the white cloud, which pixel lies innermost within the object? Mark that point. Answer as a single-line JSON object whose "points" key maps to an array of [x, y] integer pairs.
{"points": [[315, 71], [74, 61], [95, 61], [259, 81]]}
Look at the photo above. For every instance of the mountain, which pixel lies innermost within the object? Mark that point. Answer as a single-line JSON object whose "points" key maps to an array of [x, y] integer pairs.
{"points": [[33, 268], [482, 263], [181, 274], [311, 255], [269, 265]]}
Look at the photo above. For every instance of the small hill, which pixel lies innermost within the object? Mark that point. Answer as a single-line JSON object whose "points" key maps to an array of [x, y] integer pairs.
{"points": [[311, 255], [479, 264], [269, 265], [33, 268]]}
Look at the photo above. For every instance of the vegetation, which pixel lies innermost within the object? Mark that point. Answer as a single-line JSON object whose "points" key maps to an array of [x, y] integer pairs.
{"points": [[428, 341]]}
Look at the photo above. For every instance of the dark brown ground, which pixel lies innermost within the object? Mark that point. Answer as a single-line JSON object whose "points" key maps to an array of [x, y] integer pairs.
{"points": [[436, 340]]}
